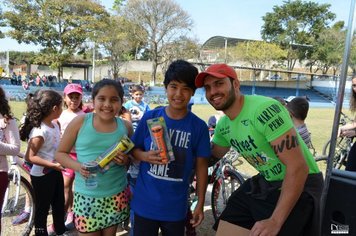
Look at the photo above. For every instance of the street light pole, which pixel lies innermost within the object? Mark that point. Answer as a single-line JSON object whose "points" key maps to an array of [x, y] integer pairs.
{"points": [[7, 64], [93, 68]]}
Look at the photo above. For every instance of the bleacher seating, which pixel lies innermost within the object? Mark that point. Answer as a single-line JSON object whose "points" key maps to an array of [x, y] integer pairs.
{"points": [[5, 82], [285, 93], [16, 92]]}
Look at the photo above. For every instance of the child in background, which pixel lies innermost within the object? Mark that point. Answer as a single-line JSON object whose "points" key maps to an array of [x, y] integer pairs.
{"points": [[72, 98], [43, 135], [98, 211], [212, 121], [136, 105], [24, 216], [137, 108], [298, 108], [160, 200], [9, 142]]}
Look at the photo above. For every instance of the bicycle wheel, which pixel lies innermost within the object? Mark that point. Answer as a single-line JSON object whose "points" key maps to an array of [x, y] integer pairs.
{"points": [[322, 162], [13, 209], [221, 191], [342, 149]]}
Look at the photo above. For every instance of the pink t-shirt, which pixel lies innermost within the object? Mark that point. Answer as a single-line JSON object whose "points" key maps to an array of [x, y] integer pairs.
{"points": [[9, 141], [66, 117]]}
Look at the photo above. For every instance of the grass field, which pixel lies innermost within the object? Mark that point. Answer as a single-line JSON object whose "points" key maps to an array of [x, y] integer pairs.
{"points": [[319, 121]]}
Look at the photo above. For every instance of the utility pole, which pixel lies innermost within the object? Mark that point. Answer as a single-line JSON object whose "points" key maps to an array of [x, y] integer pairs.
{"points": [[93, 68], [7, 66]]}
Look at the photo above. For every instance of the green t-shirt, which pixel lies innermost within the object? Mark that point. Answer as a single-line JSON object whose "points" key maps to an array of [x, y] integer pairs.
{"points": [[261, 121]]}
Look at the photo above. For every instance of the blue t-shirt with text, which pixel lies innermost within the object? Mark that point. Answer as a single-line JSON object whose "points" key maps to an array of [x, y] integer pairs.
{"points": [[161, 191]]}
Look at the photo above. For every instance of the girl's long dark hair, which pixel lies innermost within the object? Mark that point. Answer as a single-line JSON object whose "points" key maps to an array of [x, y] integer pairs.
{"points": [[5, 109], [39, 106]]}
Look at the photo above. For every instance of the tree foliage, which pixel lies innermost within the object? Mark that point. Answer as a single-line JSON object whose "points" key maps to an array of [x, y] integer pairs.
{"points": [[2, 24], [352, 59], [181, 48], [162, 21], [118, 42], [328, 49], [295, 26], [259, 54], [60, 27]]}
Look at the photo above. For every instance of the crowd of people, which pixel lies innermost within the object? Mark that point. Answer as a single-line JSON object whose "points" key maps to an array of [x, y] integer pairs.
{"points": [[138, 187], [32, 80]]}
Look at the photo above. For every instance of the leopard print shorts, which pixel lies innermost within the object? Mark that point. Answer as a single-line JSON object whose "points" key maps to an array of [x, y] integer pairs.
{"points": [[94, 214]]}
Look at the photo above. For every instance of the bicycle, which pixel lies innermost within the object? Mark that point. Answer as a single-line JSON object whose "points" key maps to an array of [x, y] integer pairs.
{"points": [[342, 148], [225, 179], [19, 191]]}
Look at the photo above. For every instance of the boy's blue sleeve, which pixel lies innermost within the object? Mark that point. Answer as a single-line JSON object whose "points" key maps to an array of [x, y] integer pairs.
{"points": [[140, 133], [203, 142]]}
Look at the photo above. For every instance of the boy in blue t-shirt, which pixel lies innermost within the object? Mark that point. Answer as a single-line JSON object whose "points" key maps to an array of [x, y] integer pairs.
{"points": [[161, 191], [136, 105]]}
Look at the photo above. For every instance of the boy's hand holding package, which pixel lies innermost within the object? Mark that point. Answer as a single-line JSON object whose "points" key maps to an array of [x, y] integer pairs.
{"points": [[153, 157], [159, 135]]}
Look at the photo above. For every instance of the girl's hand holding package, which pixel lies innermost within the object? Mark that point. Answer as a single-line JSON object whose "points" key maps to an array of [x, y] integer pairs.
{"points": [[121, 158]]}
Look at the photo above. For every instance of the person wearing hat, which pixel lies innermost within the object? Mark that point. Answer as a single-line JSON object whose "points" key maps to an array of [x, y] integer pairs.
{"points": [[283, 198], [72, 99]]}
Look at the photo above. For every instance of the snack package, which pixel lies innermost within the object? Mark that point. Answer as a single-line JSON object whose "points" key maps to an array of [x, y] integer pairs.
{"points": [[159, 134], [124, 145]]}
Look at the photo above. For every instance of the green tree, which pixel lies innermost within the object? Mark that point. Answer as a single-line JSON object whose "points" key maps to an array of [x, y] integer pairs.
{"points": [[352, 59], [295, 26], [328, 50], [259, 54], [182, 48], [163, 21], [61, 27], [118, 42], [2, 24]]}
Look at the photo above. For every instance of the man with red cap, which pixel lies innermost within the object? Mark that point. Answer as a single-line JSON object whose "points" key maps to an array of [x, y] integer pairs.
{"points": [[283, 198]]}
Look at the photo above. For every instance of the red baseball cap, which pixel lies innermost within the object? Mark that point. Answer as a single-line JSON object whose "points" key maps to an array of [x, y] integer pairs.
{"points": [[73, 88], [217, 70]]}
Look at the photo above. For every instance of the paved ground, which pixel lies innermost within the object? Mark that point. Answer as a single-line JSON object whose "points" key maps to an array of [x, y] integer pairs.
{"points": [[205, 229]]}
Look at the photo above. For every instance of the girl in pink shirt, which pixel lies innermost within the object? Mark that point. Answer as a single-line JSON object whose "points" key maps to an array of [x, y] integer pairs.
{"points": [[9, 142]]}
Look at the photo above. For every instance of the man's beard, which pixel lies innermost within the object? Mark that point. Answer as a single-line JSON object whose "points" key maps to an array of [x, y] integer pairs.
{"points": [[231, 99]]}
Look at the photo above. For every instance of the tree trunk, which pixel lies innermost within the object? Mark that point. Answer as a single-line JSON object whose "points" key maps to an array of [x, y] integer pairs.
{"points": [[59, 74], [154, 72], [28, 69]]}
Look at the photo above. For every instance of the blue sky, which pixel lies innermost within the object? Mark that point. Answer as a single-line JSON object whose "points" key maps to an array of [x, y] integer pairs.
{"points": [[232, 18]]}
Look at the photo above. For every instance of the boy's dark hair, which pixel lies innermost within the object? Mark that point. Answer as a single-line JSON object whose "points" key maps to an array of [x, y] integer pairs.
{"points": [[181, 71], [299, 107], [108, 82], [136, 88], [39, 106]]}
